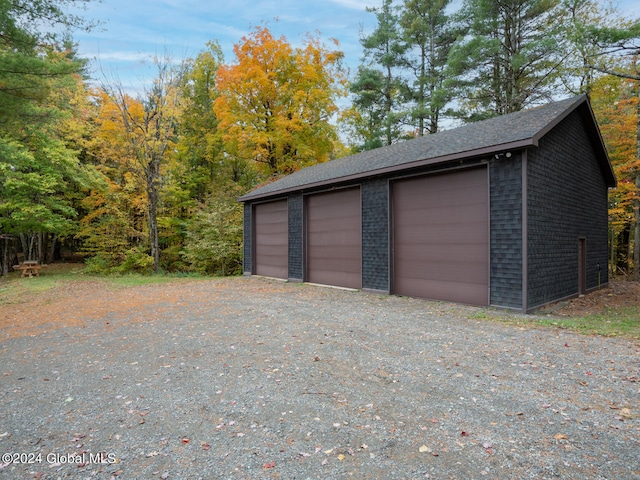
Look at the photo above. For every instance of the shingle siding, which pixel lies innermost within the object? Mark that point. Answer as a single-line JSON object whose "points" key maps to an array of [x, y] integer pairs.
{"points": [[375, 235], [248, 239], [505, 179], [567, 199], [296, 249]]}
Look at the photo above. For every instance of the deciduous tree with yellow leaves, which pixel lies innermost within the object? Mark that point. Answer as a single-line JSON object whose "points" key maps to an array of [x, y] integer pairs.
{"points": [[275, 102]]}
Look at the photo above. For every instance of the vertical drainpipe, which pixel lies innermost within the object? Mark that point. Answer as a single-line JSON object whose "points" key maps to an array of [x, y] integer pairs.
{"points": [[525, 232]]}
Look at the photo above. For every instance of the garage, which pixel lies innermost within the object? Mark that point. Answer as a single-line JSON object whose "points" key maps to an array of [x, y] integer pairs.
{"points": [[271, 239], [334, 238], [441, 235], [495, 213]]}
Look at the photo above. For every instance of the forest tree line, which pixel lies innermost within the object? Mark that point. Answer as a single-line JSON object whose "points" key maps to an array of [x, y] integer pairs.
{"points": [[149, 182]]}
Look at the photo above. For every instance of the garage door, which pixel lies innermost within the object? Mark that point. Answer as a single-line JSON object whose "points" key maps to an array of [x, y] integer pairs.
{"points": [[441, 233], [271, 239], [334, 238]]}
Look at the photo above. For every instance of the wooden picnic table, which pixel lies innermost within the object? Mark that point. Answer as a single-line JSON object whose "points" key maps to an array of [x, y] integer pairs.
{"points": [[29, 267]]}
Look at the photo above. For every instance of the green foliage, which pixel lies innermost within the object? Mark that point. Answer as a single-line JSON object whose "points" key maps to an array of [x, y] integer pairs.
{"points": [[137, 260], [214, 238], [429, 35], [510, 56], [134, 260], [377, 88]]}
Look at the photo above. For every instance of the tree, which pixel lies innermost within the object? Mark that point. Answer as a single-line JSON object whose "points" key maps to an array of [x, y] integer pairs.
{"points": [[377, 87], [577, 18], [509, 58], [429, 37], [199, 146], [40, 77], [614, 103], [623, 43], [368, 119], [148, 129], [275, 103], [214, 237]]}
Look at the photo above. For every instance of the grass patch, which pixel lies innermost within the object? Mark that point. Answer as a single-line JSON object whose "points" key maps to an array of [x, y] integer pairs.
{"points": [[14, 289], [611, 322]]}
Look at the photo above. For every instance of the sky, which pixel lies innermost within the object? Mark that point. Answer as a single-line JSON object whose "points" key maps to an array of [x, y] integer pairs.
{"points": [[133, 31]]}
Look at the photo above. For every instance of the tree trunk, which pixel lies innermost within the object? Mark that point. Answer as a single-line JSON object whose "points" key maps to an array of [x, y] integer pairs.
{"points": [[51, 251], [153, 177], [5, 256]]}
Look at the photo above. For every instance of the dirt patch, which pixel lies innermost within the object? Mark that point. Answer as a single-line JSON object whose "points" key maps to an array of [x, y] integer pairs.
{"points": [[71, 303], [619, 294]]}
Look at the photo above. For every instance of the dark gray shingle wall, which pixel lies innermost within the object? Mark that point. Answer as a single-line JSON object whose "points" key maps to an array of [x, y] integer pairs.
{"points": [[505, 182], [375, 235], [567, 200], [295, 206]]}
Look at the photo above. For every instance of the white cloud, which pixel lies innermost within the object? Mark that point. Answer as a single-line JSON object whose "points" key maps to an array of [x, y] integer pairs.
{"points": [[357, 4]]}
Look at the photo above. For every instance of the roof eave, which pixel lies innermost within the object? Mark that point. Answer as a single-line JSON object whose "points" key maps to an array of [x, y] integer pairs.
{"points": [[480, 152]]}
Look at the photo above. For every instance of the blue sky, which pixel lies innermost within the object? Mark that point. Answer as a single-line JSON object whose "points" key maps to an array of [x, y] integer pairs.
{"points": [[133, 31]]}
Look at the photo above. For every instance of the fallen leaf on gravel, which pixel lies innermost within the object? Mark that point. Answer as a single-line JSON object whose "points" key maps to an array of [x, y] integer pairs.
{"points": [[269, 465], [304, 454], [424, 449], [185, 440], [325, 461], [464, 434], [341, 457], [560, 436], [205, 446], [625, 412], [152, 454]]}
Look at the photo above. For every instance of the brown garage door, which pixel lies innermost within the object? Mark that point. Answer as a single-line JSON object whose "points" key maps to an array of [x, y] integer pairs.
{"points": [[441, 233], [334, 238], [271, 239]]}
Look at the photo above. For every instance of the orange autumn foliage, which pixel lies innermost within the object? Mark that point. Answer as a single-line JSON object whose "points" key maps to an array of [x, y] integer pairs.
{"points": [[275, 102]]}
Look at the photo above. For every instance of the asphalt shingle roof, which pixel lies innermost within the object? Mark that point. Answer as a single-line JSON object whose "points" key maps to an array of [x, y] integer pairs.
{"points": [[515, 130]]}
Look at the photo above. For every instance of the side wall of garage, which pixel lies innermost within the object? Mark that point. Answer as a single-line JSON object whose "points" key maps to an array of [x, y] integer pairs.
{"points": [[567, 201]]}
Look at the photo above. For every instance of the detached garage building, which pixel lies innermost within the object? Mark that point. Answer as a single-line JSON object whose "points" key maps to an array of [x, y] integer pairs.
{"points": [[508, 212]]}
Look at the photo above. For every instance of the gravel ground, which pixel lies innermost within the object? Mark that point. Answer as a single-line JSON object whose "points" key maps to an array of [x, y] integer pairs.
{"points": [[253, 378]]}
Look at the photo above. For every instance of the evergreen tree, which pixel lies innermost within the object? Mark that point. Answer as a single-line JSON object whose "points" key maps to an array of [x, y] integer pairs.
{"points": [[377, 88], [509, 58], [429, 37]]}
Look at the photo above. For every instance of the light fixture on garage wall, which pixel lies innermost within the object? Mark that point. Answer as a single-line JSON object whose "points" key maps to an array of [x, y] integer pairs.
{"points": [[500, 155]]}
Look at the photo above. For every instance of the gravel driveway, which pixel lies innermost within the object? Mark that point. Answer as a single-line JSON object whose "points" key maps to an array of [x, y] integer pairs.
{"points": [[253, 378]]}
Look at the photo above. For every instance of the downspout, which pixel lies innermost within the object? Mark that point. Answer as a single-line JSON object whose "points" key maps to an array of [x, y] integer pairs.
{"points": [[525, 233]]}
